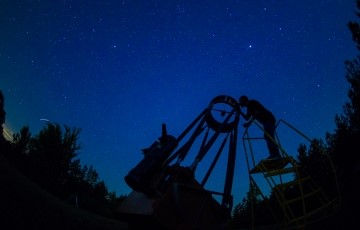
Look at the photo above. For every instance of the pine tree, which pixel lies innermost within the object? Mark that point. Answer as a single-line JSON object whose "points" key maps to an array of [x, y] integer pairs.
{"points": [[2, 113], [343, 143]]}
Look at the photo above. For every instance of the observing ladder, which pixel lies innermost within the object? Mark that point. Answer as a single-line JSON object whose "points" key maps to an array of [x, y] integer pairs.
{"points": [[301, 200]]}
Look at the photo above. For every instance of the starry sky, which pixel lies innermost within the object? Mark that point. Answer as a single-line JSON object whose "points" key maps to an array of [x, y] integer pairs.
{"points": [[119, 69]]}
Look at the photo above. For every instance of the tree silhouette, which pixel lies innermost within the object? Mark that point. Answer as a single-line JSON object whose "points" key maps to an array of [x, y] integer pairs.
{"points": [[90, 175], [253, 207], [343, 143], [5, 147], [316, 162], [51, 160], [21, 141], [53, 150], [2, 114]]}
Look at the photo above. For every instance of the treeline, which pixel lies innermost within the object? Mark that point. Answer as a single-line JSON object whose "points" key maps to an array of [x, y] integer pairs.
{"points": [[50, 159], [341, 146]]}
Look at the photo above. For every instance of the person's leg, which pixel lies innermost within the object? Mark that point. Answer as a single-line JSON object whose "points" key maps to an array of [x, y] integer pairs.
{"points": [[269, 128]]}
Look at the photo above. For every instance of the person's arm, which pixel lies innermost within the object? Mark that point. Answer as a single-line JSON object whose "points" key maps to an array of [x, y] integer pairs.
{"points": [[248, 123], [249, 119]]}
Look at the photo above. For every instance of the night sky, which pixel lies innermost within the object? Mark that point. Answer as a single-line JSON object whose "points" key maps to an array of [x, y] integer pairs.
{"points": [[119, 69]]}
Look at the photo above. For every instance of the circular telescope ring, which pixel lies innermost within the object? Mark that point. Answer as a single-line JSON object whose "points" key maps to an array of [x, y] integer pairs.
{"points": [[214, 123]]}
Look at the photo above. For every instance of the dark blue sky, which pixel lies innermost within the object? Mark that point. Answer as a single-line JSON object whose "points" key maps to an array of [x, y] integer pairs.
{"points": [[119, 69]]}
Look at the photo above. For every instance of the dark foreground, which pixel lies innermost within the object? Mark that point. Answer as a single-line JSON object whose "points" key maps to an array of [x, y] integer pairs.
{"points": [[23, 205]]}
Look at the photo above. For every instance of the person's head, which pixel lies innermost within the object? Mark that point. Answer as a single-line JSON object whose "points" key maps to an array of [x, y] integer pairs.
{"points": [[243, 100]]}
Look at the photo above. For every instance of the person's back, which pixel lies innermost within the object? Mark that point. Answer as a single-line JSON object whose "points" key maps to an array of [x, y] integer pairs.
{"points": [[256, 111], [260, 113]]}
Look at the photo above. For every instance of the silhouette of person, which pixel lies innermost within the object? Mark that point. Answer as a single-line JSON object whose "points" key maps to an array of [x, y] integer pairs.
{"points": [[256, 111]]}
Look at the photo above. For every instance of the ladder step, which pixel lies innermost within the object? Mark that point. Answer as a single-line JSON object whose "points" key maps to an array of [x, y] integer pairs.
{"points": [[291, 183], [330, 205], [279, 172], [287, 202], [271, 164]]}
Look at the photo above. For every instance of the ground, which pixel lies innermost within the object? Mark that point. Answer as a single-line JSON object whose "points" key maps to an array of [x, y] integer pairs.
{"points": [[24, 205]]}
